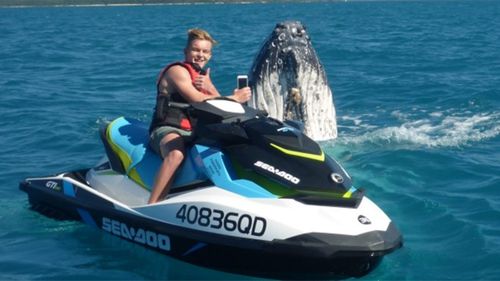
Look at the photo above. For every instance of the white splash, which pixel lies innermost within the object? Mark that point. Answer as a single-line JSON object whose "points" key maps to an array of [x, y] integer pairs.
{"points": [[446, 131]]}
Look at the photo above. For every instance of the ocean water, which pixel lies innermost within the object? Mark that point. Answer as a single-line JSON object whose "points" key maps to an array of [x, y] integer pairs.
{"points": [[417, 92]]}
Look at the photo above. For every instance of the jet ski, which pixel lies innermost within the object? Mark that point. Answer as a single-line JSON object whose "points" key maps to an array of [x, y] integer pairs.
{"points": [[253, 195]]}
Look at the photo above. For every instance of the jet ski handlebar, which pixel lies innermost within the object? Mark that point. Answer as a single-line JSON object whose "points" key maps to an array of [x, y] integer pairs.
{"points": [[180, 105], [234, 103], [222, 110]]}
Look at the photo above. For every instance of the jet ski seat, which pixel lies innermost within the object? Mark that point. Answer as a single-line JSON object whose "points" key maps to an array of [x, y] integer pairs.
{"points": [[126, 141]]}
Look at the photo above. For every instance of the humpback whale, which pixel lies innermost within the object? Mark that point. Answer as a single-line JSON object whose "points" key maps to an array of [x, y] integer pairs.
{"points": [[289, 82]]}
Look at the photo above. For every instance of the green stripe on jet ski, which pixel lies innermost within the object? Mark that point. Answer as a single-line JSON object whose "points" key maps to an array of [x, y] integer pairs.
{"points": [[349, 193], [124, 157], [318, 157]]}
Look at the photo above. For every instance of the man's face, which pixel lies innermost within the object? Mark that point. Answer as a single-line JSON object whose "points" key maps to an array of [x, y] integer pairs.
{"points": [[199, 52]]}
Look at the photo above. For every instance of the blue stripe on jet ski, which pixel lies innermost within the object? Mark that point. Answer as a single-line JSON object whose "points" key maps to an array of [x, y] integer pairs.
{"points": [[86, 217], [221, 176], [68, 189], [195, 248]]}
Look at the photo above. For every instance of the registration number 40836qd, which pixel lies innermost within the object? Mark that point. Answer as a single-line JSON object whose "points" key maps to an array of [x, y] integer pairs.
{"points": [[218, 219]]}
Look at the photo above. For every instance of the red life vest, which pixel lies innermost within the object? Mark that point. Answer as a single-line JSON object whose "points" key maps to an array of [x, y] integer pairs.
{"points": [[193, 69], [164, 114]]}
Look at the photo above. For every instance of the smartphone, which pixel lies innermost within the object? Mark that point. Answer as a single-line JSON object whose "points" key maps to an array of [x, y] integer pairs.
{"points": [[242, 81]]}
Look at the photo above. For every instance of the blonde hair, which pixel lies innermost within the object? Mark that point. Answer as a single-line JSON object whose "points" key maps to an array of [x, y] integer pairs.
{"points": [[199, 34]]}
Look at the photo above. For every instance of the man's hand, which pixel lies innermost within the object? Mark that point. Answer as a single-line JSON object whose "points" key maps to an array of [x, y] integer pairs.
{"points": [[203, 82], [242, 95]]}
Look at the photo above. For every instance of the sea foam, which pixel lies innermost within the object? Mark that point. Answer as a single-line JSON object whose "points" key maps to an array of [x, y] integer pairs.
{"points": [[436, 129]]}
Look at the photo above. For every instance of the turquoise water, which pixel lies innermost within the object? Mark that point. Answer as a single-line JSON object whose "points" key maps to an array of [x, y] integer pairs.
{"points": [[416, 86]]}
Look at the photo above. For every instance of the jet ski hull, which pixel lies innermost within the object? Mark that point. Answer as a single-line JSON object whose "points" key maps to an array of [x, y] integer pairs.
{"points": [[67, 196], [253, 195]]}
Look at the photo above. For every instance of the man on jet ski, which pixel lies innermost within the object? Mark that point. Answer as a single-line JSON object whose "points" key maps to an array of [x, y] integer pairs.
{"points": [[181, 82]]}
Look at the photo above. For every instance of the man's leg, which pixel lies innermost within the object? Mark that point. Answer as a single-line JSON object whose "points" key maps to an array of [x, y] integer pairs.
{"points": [[172, 150]]}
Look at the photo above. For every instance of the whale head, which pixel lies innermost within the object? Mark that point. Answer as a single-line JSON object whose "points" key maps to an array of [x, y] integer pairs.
{"points": [[290, 83]]}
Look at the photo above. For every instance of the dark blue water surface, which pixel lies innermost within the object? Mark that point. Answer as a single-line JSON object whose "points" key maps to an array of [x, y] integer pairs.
{"points": [[417, 91]]}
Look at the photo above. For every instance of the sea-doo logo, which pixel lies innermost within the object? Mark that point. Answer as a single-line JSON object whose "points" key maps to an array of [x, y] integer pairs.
{"points": [[337, 178], [138, 235], [364, 220], [277, 172]]}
